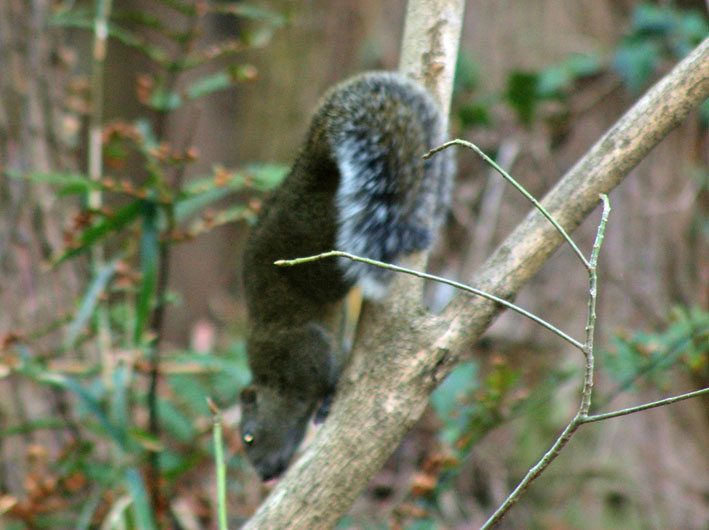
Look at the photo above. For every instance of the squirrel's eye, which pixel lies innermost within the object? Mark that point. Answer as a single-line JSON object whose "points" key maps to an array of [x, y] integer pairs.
{"points": [[248, 438]]}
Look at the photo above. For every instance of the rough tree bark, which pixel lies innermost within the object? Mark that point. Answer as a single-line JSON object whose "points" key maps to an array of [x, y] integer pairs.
{"points": [[402, 353], [36, 134]]}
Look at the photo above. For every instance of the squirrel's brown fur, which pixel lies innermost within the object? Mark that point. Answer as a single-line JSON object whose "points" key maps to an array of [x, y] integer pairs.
{"points": [[358, 185]]}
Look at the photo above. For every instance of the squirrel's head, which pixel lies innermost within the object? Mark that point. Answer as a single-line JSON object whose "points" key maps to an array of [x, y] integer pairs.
{"points": [[272, 427]]}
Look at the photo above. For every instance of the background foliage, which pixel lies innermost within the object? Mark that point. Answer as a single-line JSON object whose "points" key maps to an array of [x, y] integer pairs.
{"points": [[104, 421]]}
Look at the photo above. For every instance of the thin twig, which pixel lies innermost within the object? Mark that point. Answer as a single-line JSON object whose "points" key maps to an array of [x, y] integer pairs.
{"points": [[487, 220], [425, 276], [519, 188], [158, 316], [591, 312], [563, 439], [646, 406], [533, 473], [582, 412]]}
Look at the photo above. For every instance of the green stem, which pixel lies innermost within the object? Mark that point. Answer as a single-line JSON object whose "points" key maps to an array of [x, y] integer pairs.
{"points": [[219, 463], [95, 165]]}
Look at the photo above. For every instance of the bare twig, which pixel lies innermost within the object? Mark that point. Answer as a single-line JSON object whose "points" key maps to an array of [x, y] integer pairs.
{"points": [[646, 406], [158, 317], [426, 276], [586, 392], [518, 187], [486, 221]]}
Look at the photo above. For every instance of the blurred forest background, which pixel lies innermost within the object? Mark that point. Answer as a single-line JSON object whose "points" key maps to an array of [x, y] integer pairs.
{"points": [[121, 307]]}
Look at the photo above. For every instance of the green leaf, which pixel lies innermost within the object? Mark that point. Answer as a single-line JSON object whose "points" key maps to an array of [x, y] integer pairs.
{"points": [[68, 183], [449, 398], [209, 84], [467, 73], [176, 425], [635, 61], [83, 19], [29, 426], [657, 33], [584, 64], [139, 16], [228, 215], [164, 101], [147, 440], [647, 18], [120, 408], [149, 261], [266, 176], [522, 94], [102, 229], [249, 11], [227, 372], [201, 192], [188, 205], [149, 140], [427, 523], [558, 79], [694, 27], [87, 512], [141, 504], [684, 342], [96, 287], [553, 81], [131, 40], [91, 404], [258, 37], [474, 114], [460, 382]]}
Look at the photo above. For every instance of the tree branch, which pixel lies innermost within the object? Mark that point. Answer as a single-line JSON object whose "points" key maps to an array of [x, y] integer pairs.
{"points": [[429, 46], [645, 406], [401, 354]]}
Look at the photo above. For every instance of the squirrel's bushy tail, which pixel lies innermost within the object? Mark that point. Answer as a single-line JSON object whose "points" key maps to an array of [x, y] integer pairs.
{"points": [[390, 201]]}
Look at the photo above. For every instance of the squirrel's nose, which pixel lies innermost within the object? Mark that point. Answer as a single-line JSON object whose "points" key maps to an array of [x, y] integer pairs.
{"points": [[272, 469]]}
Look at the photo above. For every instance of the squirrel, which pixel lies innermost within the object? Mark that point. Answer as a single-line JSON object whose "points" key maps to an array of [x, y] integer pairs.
{"points": [[359, 185]]}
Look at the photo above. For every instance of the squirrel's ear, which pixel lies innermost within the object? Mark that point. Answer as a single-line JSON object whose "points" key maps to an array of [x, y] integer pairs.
{"points": [[248, 396]]}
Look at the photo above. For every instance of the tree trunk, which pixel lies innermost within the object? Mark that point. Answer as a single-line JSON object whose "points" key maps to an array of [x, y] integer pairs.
{"points": [[35, 134]]}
